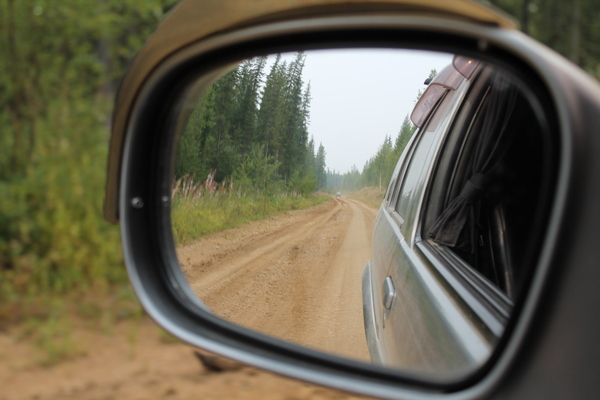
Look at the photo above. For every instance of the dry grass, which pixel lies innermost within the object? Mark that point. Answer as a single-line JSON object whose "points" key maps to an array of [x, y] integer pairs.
{"points": [[372, 196]]}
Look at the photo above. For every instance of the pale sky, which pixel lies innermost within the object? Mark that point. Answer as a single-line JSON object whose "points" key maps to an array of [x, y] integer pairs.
{"points": [[361, 95]]}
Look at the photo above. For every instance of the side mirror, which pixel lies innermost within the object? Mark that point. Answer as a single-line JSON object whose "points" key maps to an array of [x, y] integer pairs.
{"points": [[478, 256]]}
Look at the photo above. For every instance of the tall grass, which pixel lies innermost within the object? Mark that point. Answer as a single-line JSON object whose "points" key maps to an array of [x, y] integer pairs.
{"points": [[202, 208]]}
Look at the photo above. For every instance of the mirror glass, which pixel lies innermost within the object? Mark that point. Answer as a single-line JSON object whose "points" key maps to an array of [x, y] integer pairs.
{"points": [[381, 205]]}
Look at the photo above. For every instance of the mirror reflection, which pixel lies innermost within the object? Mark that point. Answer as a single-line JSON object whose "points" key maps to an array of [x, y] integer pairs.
{"points": [[376, 204]]}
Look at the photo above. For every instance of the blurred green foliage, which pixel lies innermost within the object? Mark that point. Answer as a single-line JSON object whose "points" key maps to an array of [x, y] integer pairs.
{"points": [[60, 61], [568, 26]]}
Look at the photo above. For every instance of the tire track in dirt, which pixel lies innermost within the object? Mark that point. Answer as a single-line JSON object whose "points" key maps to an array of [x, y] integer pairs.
{"points": [[257, 252], [297, 278]]}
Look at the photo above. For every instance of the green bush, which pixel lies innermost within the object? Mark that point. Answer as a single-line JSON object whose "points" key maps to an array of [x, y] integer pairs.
{"points": [[59, 65], [53, 239]]}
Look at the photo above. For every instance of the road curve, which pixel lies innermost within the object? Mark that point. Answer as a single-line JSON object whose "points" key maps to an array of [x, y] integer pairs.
{"points": [[296, 277]]}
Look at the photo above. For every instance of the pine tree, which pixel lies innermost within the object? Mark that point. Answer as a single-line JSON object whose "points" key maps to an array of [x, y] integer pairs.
{"points": [[270, 114], [247, 102], [406, 131], [320, 166]]}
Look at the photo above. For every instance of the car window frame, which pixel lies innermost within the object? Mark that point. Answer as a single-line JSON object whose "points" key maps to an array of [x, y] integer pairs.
{"points": [[405, 161], [446, 124]]}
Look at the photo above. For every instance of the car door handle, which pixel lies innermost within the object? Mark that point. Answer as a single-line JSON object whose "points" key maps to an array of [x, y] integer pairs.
{"points": [[389, 293]]}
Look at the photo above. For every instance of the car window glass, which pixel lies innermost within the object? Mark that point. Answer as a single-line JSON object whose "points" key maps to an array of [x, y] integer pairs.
{"points": [[390, 189], [447, 166], [419, 160], [401, 168]]}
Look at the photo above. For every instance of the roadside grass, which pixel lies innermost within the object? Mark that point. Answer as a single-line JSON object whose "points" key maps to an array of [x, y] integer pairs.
{"points": [[54, 242], [53, 337], [373, 196], [193, 217], [47, 322]]}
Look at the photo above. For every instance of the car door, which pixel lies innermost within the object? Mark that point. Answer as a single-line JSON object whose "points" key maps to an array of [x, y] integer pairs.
{"points": [[414, 334]]}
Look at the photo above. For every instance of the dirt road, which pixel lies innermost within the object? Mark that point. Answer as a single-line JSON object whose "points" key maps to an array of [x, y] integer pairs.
{"points": [[135, 361], [296, 277]]}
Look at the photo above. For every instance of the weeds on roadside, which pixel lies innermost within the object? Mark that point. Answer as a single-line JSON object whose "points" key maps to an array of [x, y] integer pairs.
{"points": [[202, 208], [53, 239], [52, 336], [50, 329], [371, 195], [60, 262]]}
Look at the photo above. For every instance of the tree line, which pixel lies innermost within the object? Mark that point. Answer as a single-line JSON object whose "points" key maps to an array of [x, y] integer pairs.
{"points": [[250, 130], [378, 170]]}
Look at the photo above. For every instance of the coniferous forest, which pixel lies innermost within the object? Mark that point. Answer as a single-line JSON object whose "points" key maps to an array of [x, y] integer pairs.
{"points": [[250, 131]]}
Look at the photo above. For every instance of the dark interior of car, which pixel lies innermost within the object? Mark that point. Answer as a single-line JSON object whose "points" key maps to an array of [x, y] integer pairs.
{"points": [[489, 205]]}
